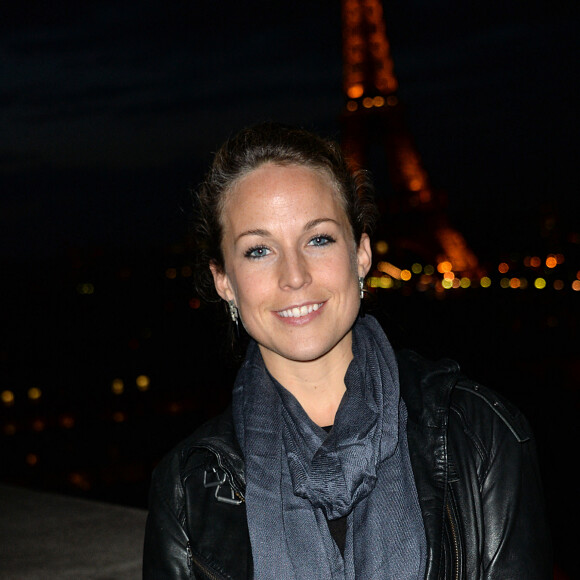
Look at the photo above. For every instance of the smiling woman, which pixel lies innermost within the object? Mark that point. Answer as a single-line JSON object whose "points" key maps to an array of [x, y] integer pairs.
{"points": [[338, 458]]}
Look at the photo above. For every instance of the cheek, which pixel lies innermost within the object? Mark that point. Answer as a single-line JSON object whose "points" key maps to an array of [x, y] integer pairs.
{"points": [[250, 289]]}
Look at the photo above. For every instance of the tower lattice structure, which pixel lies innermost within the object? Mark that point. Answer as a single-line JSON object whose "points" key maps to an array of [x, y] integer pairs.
{"points": [[373, 116]]}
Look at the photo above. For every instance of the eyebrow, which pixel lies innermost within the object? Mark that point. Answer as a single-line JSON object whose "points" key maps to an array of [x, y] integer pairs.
{"points": [[265, 233]]}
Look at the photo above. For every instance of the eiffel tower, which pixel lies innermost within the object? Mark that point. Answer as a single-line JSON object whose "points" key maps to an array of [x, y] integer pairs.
{"points": [[414, 214]]}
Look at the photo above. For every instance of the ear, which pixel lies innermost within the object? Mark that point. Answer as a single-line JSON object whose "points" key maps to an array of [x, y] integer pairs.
{"points": [[364, 255], [222, 282]]}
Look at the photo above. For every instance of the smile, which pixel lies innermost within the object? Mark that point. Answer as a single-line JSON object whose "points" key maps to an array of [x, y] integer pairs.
{"points": [[299, 311]]}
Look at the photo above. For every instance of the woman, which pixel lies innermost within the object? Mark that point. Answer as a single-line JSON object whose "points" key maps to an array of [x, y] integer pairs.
{"points": [[338, 459]]}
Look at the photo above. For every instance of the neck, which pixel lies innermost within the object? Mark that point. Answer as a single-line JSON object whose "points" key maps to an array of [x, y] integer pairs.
{"points": [[318, 385]]}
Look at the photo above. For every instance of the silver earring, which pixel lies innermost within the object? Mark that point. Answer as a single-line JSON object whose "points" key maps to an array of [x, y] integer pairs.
{"points": [[235, 314], [361, 284], [234, 311]]}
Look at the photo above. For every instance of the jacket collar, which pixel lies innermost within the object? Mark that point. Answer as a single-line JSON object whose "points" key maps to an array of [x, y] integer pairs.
{"points": [[426, 389]]}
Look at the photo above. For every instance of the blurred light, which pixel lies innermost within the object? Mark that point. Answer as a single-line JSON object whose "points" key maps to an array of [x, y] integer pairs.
{"points": [[576, 285], [378, 101], [38, 425], [429, 270], [535, 262], [174, 408], [392, 100], [382, 247], [171, 273], [186, 271], [551, 262], [416, 268], [66, 421], [558, 284], [447, 284], [367, 102], [514, 283], [578, 275], [540, 283], [389, 269], [31, 459], [527, 261], [373, 282], [485, 282], [523, 283], [465, 282], [117, 386], [194, 303], [456, 283], [415, 184], [385, 282], [560, 258], [503, 268], [445, 266], [449, 276], [405, 275], [142, 382], [351, 106], [119, 416], [7, 398], [86, 288], [504, 282], [355, 91], [34, 394], [9, 429], [79, 480]]}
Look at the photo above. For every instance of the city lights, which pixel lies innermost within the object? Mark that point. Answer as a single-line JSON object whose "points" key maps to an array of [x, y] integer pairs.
{"points": [[142, 382], [7, 398], [117, 386], [34, 394], [381, 247], [86, 288]]}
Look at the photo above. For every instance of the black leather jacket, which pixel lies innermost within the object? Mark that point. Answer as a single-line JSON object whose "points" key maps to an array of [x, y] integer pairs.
{"points": [[475, 468]]}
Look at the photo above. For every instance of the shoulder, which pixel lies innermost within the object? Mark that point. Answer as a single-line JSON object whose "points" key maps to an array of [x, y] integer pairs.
{"points": [[477, 405], [436, 393], [170, 475]]}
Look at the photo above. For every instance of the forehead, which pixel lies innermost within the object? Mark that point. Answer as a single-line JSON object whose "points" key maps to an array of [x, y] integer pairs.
{"points": [[273, 186]]}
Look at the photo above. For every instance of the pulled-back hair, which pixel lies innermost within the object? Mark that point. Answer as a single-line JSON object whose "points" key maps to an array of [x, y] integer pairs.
{"points": [[281, 145]]}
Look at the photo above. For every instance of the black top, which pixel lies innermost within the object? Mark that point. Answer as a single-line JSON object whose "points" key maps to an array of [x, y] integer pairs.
{"points": [[337, 527]]}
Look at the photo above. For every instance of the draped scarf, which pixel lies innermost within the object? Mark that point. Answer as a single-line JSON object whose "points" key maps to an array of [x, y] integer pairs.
{"points": [[299, 476]]}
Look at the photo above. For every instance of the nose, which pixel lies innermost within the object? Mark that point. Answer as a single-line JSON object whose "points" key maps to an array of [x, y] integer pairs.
{"points": [[294, 271]]}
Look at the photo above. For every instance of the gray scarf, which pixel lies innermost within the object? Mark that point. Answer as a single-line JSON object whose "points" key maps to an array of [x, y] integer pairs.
{"points": [[298, 476]]}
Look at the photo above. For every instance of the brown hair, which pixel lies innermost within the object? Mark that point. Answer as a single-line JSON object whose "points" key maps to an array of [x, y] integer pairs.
{"points": [[248, 150]]}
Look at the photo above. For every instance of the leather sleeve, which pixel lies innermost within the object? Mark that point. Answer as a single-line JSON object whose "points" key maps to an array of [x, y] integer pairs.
{"points": [[166, 553], [514, 540]]}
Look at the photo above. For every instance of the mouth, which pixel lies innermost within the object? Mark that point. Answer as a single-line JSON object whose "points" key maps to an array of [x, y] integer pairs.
{"points": [[300, 311]]}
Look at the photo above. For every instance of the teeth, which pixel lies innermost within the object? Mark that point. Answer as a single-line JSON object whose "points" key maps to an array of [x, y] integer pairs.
{"points": [[297, 312]]}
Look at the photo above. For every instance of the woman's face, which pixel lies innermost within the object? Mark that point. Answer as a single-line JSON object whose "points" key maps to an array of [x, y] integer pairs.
{"points": [[291, 263]]}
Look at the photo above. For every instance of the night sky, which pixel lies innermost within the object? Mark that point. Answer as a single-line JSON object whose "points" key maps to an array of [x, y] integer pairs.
{"points": [[110, 110]]}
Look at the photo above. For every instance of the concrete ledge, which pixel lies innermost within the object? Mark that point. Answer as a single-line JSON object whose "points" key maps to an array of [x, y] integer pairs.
{"points": [[48, 536]]}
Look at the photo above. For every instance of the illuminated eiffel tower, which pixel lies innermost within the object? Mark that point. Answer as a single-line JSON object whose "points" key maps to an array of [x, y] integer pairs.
{"points": [[414, 215]]}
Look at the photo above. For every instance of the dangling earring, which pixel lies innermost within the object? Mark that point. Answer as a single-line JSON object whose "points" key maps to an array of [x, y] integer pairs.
{"points": [[234, 313], [361, 284]]}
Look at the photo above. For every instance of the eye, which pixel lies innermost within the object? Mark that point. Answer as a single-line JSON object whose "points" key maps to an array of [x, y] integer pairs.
{"points": [[257, 252], [321, 240]]}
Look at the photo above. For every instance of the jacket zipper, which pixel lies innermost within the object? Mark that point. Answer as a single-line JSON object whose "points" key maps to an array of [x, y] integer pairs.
{"points": [[454, 537], [207, 571]]}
